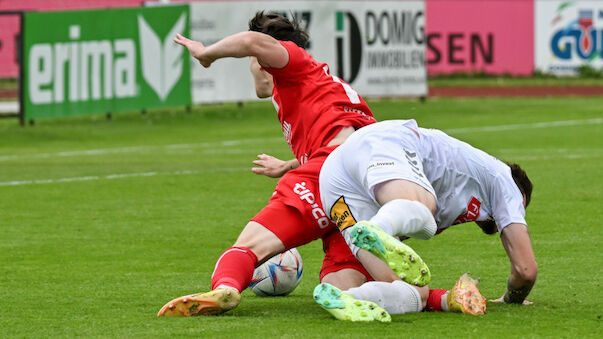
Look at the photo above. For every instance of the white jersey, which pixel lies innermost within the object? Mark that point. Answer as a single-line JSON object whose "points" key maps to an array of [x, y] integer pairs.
{"points": [[469, 184]]}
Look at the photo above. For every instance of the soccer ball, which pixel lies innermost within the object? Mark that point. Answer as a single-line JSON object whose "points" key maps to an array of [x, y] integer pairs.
{"points": [[279, 275]]}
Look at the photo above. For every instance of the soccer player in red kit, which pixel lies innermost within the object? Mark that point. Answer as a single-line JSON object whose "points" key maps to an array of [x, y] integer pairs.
{"points": [[317, 112]]}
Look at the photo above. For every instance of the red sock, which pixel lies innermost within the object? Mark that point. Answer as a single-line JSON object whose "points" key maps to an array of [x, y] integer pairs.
{"points": [[434, 302], [234, 268]]}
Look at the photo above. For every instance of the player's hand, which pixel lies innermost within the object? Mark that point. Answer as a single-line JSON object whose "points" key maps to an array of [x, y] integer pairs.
{"points": [[270, 166], [195, 48], [502, 301]]}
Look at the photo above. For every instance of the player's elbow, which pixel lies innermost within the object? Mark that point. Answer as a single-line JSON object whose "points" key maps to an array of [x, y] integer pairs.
{"points": [[262, 93], [255, 44], [248, 43], [263, 89]]}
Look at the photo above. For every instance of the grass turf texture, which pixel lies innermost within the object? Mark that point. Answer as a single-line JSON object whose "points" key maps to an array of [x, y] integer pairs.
{"points": [[88, 253]]}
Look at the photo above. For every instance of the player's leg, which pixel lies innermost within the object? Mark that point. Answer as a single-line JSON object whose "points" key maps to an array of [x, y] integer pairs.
{"points": [[397, 297], [292, 218], [340, 271], [344, 306], [234, 268], [406, 210], [361, 301], [348, 199], [340, 267], [232, 274]]}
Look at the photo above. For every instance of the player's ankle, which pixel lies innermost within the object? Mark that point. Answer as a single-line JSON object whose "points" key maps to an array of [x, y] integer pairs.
{"points": [[223, 286]]}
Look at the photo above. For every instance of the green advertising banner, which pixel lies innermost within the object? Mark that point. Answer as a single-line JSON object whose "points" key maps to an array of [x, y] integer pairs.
{"points": [[109, 60]]}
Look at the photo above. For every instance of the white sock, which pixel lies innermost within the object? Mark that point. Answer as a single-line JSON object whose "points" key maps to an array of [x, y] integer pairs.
{"points": [[444, 302], [348, 240], [396, 297], [403, 217]]}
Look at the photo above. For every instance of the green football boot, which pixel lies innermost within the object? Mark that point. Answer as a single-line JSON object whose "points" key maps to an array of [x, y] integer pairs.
{"points": [[402, 259], [344, 306]]}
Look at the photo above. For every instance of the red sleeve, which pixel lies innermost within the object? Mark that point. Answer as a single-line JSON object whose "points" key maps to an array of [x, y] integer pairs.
{"points": [[297, 58]]}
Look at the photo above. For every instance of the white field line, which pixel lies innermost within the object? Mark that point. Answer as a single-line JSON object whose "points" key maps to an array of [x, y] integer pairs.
{"points": [[558, 154], [228, 143], [525, 126], [210, 146], [120, 176], [555, 157]]}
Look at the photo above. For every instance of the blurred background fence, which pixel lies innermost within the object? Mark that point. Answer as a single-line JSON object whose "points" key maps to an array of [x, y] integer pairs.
{"points": [[382, 48]]}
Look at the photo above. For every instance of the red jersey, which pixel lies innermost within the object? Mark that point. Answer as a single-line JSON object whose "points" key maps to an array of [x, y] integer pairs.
{"points": [[312, 104]]}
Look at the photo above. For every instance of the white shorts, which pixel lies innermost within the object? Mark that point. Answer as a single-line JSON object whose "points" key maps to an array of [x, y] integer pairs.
{"points": [[372, 155]]}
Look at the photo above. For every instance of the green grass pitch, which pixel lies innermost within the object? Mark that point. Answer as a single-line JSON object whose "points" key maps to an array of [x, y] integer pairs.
{"points": [[102, 222]]}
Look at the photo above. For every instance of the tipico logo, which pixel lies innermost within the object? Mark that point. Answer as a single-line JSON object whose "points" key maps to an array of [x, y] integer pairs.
{"points": [[579, 37], [103, 69]]}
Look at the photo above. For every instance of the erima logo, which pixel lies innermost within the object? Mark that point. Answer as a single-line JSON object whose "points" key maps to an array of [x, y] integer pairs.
{"points": [[161, 62], [103, 69]]}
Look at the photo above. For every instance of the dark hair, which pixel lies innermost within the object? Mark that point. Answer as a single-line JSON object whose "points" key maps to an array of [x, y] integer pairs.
{"points": [[522, 181], [488, 226], [279, 27]]}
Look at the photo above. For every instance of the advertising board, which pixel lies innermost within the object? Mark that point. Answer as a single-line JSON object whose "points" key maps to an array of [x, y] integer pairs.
{"points": [[378, 47], [491, 36], [569, 34], [75, 63]]}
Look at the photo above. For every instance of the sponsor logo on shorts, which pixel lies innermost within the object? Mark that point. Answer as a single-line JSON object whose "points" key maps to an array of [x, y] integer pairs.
{"points": [[472, 212], [380, 164], [341, 214], [317, 212]]}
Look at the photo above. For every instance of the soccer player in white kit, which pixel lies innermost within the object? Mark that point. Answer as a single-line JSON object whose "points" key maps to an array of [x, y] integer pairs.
{"points": [[393, 178]]}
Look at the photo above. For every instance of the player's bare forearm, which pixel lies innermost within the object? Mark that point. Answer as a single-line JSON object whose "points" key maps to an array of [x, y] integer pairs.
{"points": [[262, 79], [238, 45], [268, 50], [524, 269]]}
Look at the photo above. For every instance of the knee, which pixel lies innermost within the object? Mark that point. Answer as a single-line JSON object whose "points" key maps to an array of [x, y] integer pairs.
{"points": [[259, 240], [528, 273], [344, 279]]}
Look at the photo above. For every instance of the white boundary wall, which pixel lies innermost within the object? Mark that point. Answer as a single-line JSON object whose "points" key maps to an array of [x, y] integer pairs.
{"points": [[378, 46]]}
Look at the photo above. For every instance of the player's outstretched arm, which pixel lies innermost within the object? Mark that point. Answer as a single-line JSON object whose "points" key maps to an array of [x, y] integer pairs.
{"points": [[524, 269], [273, 167], [262, 79], [268, 51]]}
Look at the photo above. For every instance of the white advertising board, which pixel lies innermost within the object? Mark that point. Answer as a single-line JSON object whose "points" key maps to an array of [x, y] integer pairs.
{"points": [[378, 47], [569, 34]]}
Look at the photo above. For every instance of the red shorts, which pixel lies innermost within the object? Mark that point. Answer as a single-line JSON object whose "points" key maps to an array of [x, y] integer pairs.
{"points": [[338, 255], [295, 215]]}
